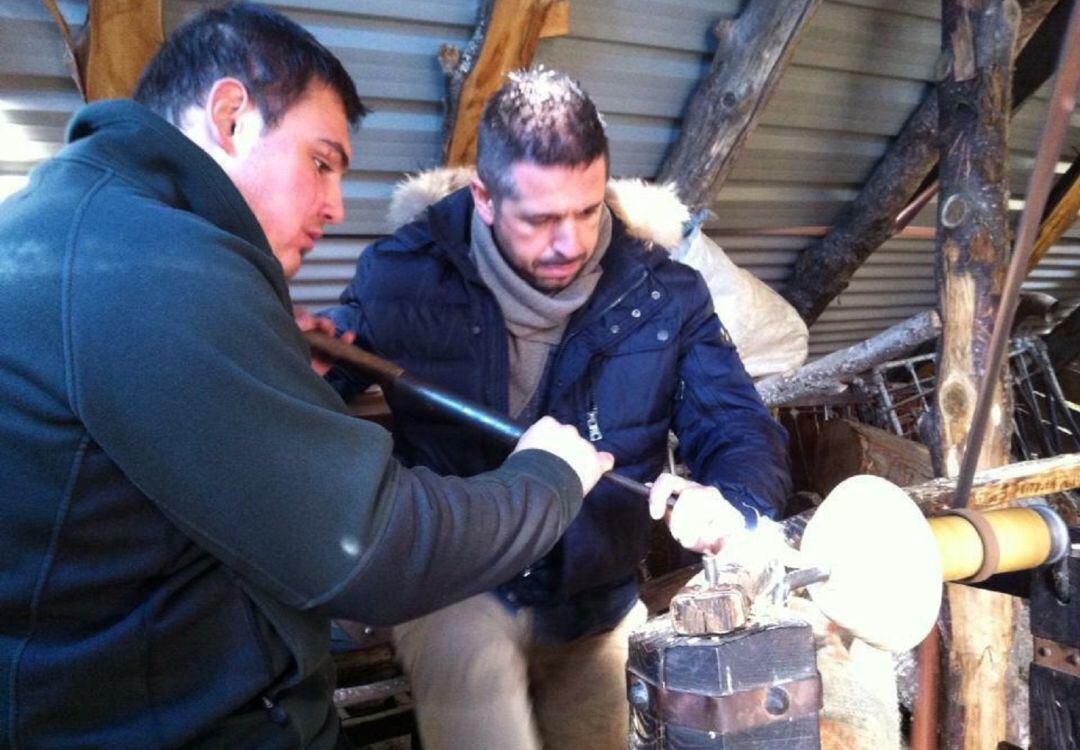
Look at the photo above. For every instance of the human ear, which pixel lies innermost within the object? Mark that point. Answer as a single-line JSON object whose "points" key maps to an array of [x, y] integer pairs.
{"points": [[226, 104], [483, 200]]}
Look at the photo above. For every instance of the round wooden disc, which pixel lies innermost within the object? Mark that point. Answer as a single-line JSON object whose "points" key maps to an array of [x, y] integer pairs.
{"points": [[885, 582]]}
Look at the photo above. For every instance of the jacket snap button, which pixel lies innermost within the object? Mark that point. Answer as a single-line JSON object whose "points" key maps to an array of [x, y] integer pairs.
{"points": [[655, 294], [476, 330], [662, 335], [635, 313], [615, 329]]}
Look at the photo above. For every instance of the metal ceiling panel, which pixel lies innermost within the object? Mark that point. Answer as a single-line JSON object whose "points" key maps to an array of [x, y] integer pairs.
{"points": [[860, 70]]}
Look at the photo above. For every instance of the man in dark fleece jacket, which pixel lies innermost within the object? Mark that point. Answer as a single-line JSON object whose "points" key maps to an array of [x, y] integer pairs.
{"points": [[185, 503]]}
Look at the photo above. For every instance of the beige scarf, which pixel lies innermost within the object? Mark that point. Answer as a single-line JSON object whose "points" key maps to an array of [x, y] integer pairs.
{"points": [[535, 321]]}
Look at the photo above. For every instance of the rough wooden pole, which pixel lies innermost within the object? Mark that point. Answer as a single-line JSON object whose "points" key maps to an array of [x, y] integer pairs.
{"points": [[829, 374], [824, 268], [973, 245], [751, 55], [997, 487]]}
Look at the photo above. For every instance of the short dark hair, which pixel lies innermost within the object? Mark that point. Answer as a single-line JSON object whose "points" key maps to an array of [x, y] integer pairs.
{"points": [[540, 116], [271, 55]]}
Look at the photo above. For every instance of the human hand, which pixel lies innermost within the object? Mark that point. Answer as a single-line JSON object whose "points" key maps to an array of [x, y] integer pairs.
{"points": [[701, 518], [305, 321], [562, 440]]}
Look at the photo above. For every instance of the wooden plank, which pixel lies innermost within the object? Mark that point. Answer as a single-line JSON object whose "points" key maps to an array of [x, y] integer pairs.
{"points": [[510, 31], [999, 486], [974, 105], [752, 53], [824, 268]]}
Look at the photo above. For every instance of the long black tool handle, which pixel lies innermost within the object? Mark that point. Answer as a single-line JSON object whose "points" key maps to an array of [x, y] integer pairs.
{"points": [[434, 400]]}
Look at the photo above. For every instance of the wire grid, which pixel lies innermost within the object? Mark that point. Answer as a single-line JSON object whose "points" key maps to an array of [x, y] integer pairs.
{"points": [[1044, 423]]}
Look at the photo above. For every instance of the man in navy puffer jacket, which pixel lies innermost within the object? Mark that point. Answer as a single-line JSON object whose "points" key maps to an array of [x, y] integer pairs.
{"points": [[525, 293]]}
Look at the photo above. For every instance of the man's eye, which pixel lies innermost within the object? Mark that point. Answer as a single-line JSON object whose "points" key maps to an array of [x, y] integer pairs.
{"points": [[322, 166]]}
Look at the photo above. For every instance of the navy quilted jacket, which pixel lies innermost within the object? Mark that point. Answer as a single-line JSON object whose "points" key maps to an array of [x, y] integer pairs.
{"points": [[644, 356]]}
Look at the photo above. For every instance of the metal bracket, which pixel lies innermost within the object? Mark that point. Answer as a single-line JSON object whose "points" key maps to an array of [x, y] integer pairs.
{"points": [[1056, 656], [727, 714]]}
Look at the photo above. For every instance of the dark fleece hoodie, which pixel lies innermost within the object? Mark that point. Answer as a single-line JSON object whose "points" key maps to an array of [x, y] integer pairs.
{"points": [[184, 503]]}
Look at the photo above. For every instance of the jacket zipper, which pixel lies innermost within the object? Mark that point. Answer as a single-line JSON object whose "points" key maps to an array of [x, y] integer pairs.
{"points": [[592, 422]]}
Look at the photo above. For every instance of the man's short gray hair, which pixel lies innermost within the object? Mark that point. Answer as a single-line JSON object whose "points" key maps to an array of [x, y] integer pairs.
{"points": [[540, 116]]}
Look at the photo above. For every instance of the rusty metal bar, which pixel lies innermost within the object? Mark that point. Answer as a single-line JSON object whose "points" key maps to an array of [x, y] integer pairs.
{"points": [[924, 720]]}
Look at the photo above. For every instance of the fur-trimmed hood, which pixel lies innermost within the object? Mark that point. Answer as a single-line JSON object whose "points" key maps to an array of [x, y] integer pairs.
{"points": [[652, 213]]}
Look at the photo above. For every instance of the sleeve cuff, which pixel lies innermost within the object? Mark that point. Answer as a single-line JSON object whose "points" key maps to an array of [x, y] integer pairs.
{"points": [[548, 469]]}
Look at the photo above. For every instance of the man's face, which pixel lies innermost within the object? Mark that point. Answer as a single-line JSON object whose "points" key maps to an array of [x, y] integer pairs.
{"points": [[291, 176], [548, 230]]}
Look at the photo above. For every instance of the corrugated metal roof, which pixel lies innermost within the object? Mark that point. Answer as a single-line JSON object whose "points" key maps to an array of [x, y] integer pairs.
{"points": [[859, 71]]}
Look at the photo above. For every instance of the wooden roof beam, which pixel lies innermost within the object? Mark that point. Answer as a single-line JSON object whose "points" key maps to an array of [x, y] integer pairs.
{"points": [[752, 53], [117, 40], [1061, 210], [824, 268], [506, 37]]}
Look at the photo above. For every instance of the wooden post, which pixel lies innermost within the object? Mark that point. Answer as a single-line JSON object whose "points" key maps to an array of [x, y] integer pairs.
{"points": [[824, 268], [974, 104], [752, 53]]}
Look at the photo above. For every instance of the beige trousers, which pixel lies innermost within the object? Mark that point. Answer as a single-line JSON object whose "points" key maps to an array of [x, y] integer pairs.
{"points": [[481, 682]]}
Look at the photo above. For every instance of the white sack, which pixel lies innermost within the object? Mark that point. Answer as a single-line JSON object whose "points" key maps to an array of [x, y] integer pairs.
{"points": [[768, 332]]}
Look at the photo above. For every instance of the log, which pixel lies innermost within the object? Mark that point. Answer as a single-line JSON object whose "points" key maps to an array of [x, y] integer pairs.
{"points": [[751, 55], [824, 268], [846, 448], [827, 375], [506, 37], [974, 104], [1001, 485]]}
